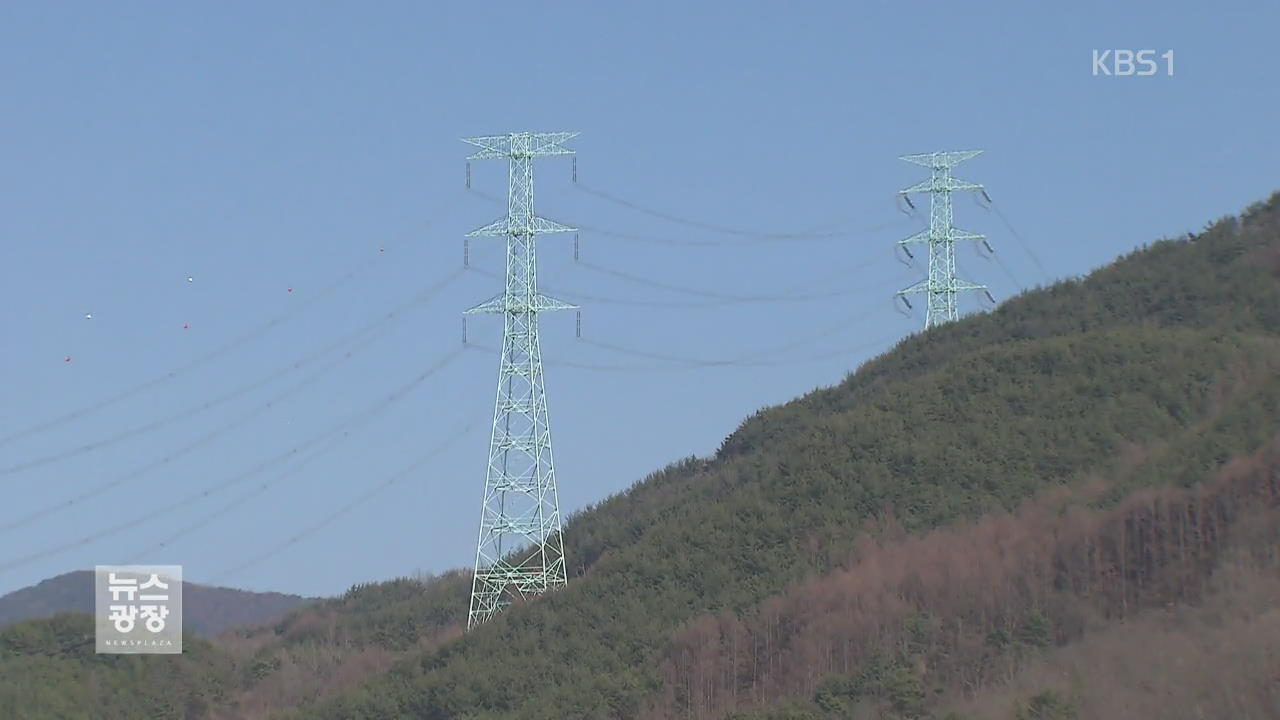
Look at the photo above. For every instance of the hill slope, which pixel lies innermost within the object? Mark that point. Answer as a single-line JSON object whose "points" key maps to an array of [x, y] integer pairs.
{"points": [[1174, 344], [1154, 372]]}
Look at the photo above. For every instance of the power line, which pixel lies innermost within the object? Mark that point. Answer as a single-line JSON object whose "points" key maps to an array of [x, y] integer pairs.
{"points": [[821, 231], [713, 294], [597, 298], [579, 365], [188, 529], [224, 510], [750, 359], [737, 244], [744, 241], [716, 299], [679, 363], [234, 393], [438, 213], [199, 361], [101, 488], [1008, 272], [744, 360], [357, 341], [238, 422], [1026, 247], [339, 428], [361, 499]]}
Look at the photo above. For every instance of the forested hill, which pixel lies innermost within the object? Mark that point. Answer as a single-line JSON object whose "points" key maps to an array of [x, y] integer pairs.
{"points": [[980, 504]]}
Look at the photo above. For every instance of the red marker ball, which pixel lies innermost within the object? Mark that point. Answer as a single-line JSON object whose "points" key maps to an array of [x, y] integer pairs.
{"points": [[185, 326]]}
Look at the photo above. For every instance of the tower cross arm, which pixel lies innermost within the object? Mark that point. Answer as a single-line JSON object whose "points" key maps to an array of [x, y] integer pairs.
{"points": [[510, 226], [940, 160], [520, 145], [962, 285], [920, 237], [947, 184], [505, 304], [917, 287], [958, 235]]}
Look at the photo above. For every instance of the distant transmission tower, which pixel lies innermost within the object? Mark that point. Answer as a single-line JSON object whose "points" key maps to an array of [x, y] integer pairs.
{"points": [[942, 285], [521, 510]]}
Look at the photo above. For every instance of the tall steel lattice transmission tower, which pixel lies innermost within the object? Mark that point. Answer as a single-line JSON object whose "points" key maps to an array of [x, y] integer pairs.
{"points": [[520, 551], [942, 285]]}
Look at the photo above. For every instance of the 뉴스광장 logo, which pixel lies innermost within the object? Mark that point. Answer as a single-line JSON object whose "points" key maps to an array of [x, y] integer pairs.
{"points": [[138, 609]]}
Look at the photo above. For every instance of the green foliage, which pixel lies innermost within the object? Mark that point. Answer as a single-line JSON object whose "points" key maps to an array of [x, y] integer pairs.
{"points": [[902, 687], [1035, 630], [49, 669], [836, 695], [394, 615], [1048, 705]]}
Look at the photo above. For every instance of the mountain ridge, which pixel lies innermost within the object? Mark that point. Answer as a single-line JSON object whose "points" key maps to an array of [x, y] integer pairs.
{"points": [[207, 610]]}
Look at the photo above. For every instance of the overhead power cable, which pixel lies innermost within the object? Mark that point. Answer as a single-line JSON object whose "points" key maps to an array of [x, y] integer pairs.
{"points": [[189, 528], [257, 491], [1008, 272], [676, 363], [357, 340], [742, 241], [338, 429], [580, 365], [366, 496], [231, 394], [101, 488], [844, 235], [198, 362], [749, 359], [1026, 247], [715, 299], [821, 231], [778, 298], [446, 205], [574, 295]]}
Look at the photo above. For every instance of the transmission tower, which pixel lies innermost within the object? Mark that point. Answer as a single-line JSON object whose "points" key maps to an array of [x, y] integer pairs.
{"points": [[520, 551], [942, 285]]}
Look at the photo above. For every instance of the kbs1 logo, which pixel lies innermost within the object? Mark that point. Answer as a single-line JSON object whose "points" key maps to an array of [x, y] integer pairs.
{"points": [[1123, 63], [139, 609]]}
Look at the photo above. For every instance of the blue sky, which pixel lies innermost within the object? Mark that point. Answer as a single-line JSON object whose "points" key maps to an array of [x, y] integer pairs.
{"points": [[263, 147]]}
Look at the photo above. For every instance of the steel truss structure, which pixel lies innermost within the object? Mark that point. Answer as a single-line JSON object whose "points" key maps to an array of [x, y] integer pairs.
{"points": [[941, 286], [520, 551]]}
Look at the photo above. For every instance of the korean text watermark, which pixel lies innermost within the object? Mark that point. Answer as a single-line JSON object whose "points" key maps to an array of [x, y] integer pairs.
{"points": [[138, 609]]}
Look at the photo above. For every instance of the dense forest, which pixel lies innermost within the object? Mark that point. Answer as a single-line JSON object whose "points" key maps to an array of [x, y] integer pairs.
{"points": [[992, 520]]}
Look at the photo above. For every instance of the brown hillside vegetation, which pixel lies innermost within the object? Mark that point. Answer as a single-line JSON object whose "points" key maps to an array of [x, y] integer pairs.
{"points": [[957, 611], [317, 653], [1217, 660]]}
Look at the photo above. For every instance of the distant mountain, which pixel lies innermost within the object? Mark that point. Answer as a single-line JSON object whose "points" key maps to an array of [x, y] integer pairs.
{"points": [[206, 611]]}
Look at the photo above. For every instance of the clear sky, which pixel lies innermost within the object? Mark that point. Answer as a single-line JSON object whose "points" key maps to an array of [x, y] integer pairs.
{"points": [[301, 161]]}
